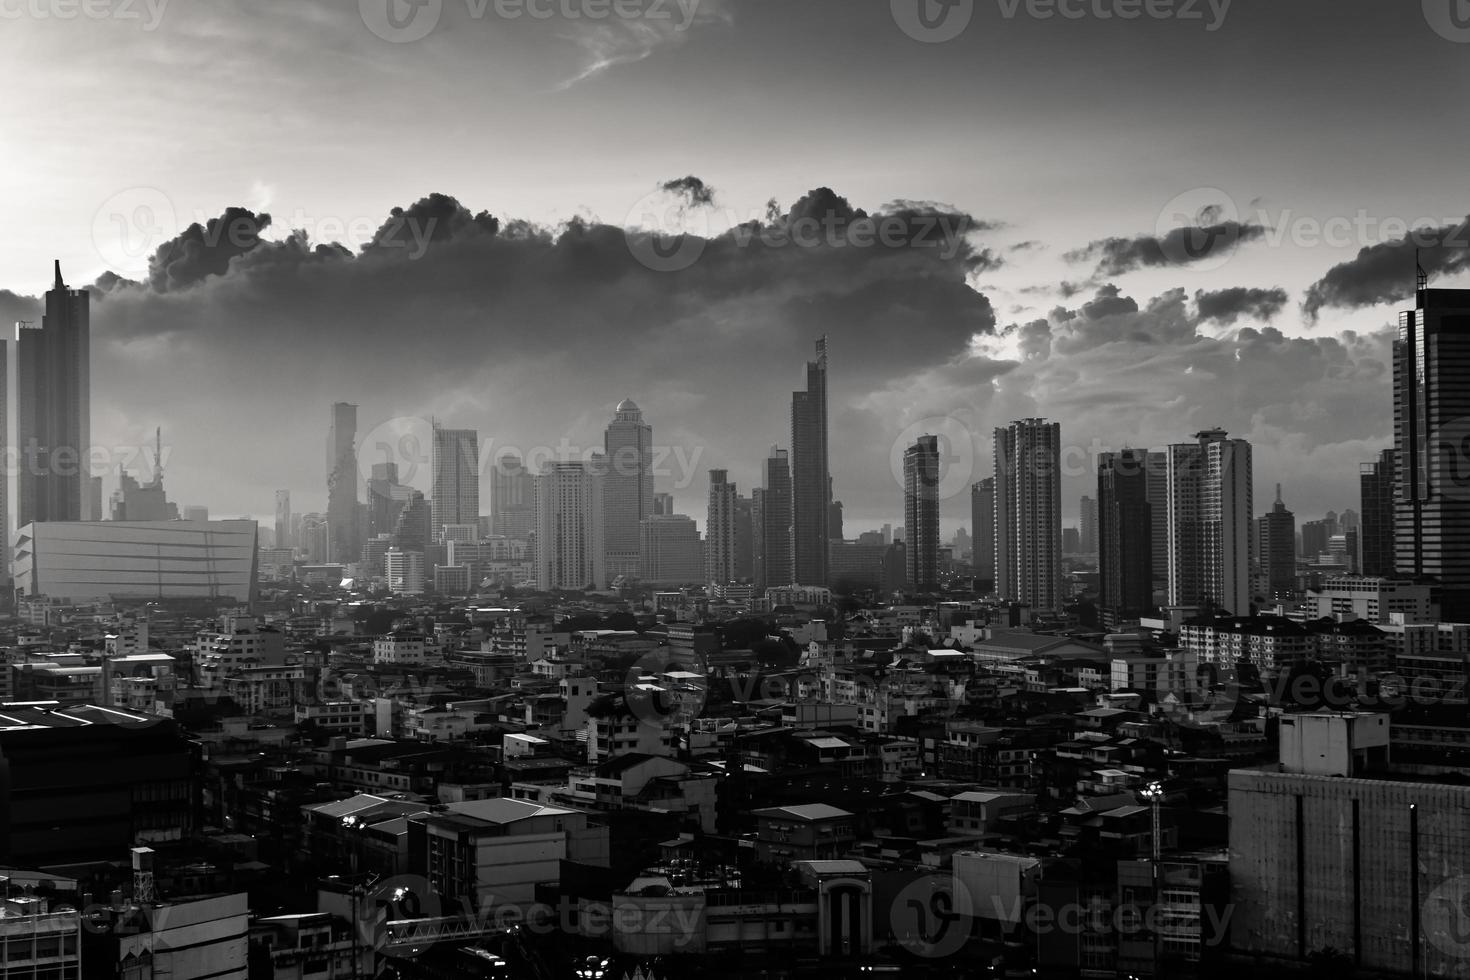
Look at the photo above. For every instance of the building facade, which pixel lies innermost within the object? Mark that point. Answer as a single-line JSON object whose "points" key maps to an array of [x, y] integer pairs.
{"points": [[921, 512], [569, 526], [628, 487], [1028, 513], [811, 482], [1210, 522]]}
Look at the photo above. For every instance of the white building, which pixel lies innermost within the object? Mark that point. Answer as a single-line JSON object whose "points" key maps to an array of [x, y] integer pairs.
{"points": [[570, 542], [1209, 534], [1348, 597], [1028, 513], [101, 560], [404, 571], [409, 649]]}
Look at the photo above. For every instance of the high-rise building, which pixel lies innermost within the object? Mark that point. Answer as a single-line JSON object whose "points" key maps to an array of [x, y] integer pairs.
{"points": [[1375, 527], [628, 486], [285, 532], [719, 530], [1028, 513], [663, 505], [982, 524], [921, 512], [1315, 538], [1210, 522], [455, 459], [134, 501], [1431, 402], [513, 498], [834, 518], [386, 499], [52, 408], [1087, 526], [404, 571], [570, 543], [744, 539], [811, 484], [670, 551], [91, 499], [771, 524], [344, 545], [1276, 549], [1157, 479], [414, 529], [1124, 532]]}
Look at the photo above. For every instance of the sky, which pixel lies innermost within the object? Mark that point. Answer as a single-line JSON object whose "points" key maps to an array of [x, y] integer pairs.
{"points": [[1203, 215]]}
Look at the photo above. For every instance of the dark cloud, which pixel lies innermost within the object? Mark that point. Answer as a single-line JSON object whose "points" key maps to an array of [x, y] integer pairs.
{"points": [[1228, 305], [692, 189], [202, 251], [1178, 247], [433, 219], [1385, 273]]}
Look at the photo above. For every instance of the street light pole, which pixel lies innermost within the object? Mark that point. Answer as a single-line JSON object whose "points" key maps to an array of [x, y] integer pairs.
{"points": [[1154, 793]]}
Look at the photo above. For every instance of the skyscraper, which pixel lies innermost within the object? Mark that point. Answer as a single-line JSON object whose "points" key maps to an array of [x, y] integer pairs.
{"points": [[455, 459], [921, 513], [1156, 467], [670, 552], [744, 539], [386, 499], [811, 484], [1028, 513], [663, 505], [53, 407], [284, 536], [628, 486], [414, 530], [771, 523], [513, 498], [1124, 532], [570, 543], [344, 545], [719, 529], [1087, 526], [1375, 524], [982, 527], [1431, 403], [1276, 549], [1210, 522]]}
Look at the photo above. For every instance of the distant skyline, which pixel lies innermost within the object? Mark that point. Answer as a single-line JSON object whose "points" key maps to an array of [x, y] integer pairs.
{"points": [[1280, 137]]}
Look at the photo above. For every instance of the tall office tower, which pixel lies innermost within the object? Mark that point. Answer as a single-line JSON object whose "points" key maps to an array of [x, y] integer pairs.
{"points": [[771, 523], [1071, 541], [1276, 549], [811, 485], [1156, 466], [513, 498], [342, 528], [1087, 526], [314, 538], [455, 459], [1431, 403], [285, 527], [663, 505], [1028, 513], [921, 513], [415, 528], [670, 552], [1348, 520], [834, 519], [982, 527], [628, 486], [719, 530], [1210, 522], [1124, 532], [570, 542], [1375, 527], [744, 539], [53, 408]]}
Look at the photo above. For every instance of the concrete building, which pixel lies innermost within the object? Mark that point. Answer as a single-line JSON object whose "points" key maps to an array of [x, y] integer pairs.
{"points": [[811, 480], [982, 523], [771, 524], [404, 571], [455, 459], [570, 542], [513, 498], [1028, 513], [628, 486], [670, 552], [39, 939], [1376, 599], [1210, 522], [921, 513], [1376, 523], [1275, 550], [719, 529], [95, 562], [344, 543], [1124, 537]]}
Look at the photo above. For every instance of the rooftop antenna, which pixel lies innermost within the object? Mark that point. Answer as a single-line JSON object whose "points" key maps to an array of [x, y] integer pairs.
{"points": [[1421, 278], [158, 456]]}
